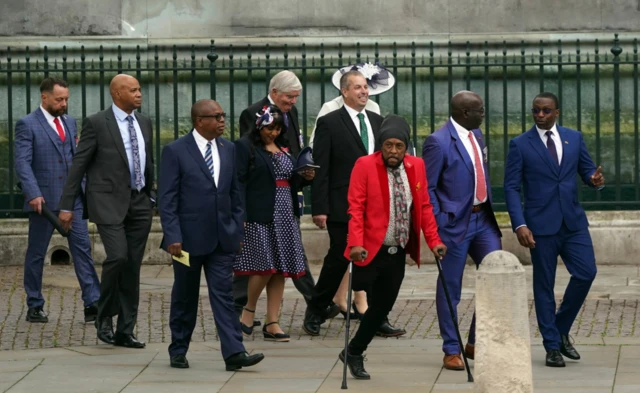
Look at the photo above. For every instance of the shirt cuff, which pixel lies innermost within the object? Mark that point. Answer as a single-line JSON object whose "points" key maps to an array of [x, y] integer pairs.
{"points": [[520, 227]]}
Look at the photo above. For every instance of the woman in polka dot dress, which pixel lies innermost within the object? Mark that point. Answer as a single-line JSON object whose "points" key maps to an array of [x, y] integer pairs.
{"points": [[272, 247]]}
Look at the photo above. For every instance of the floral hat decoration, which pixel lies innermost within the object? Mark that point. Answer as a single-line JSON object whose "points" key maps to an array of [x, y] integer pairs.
{"points": [[378, 78], [265, 117]]}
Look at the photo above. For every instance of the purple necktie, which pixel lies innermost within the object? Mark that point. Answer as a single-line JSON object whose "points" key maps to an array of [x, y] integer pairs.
{"points": [[552, 147]]}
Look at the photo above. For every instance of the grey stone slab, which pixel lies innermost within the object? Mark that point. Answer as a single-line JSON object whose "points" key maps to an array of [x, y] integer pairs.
{"points": [[49, 353], [626, 388], [263, 385], [620, 14], [123, 359], [65, 378], [484, 16]]}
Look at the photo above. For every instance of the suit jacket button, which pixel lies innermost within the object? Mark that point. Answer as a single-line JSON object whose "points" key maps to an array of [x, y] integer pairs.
{"points": [[59, 177], [60, 161]]}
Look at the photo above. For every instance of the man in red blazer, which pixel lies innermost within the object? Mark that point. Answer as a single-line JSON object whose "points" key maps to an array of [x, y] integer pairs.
{"points": [[388, 207]]}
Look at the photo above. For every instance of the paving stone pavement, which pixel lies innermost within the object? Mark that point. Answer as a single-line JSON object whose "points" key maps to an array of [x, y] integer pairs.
{"points": [[608, 315]]}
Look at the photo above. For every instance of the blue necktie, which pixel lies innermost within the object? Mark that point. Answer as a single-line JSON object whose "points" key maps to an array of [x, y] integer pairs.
{"points": [[135, 150], [208, 158], [552, 147]]}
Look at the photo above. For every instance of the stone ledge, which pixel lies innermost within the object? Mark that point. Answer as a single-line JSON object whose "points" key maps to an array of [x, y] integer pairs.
{"points": [[616, 238]]}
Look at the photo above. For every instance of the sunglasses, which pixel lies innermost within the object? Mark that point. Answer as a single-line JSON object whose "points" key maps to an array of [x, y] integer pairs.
{"points": [[217, 116], [546, 111]]}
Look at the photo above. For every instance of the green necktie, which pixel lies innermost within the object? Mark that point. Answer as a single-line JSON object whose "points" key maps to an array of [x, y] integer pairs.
{"points": [[364, 134]]}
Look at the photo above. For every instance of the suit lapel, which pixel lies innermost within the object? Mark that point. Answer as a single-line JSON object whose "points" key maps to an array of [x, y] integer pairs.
{"points": [[541, 149], [112, 126], [352, 130], [460, 146], [410, 170], [55, 138], [224, 161], [70, 136], [267, 160], [193, 149], [383, 179], [566, 149]]}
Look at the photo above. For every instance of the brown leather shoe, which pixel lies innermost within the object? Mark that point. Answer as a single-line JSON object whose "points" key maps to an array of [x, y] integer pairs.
{"points": [[470, 351], [453, 362]]}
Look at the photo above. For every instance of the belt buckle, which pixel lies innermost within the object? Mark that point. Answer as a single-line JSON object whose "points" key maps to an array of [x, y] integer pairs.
{"points": [[392, 250]]}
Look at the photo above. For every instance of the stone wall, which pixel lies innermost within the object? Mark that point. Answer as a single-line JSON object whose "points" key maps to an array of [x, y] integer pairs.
{"points": [[185, 19], [616, 239]]}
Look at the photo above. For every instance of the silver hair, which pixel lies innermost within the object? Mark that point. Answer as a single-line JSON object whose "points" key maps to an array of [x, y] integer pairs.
{"points": [[285, 82]]}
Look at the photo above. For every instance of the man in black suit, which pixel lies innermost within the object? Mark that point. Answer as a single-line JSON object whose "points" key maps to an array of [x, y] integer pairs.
{"points": [[284, 90], [341, 138], [115, 153]]}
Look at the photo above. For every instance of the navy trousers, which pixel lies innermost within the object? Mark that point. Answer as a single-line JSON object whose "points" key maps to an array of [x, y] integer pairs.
{"points": [[218, 271], [481, 239], [40, 232], [576, 250]]}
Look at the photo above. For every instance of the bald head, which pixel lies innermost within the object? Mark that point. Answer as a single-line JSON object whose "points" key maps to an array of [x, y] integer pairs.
{"points": [[208, 118], [125, 92], [467, 109]]}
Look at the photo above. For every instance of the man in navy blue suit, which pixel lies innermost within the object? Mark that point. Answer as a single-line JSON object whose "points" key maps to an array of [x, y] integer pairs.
{"points": [[45, 146], [460, 190], [200, 212], [544, 161]]}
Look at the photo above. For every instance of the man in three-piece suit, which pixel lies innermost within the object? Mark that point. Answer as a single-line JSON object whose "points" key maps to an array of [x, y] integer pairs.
{"points": [[342, 137], [544, 162], [116, 154], [284, 90], [460, 191], [45, 145], [389, 207], [201, 213]]}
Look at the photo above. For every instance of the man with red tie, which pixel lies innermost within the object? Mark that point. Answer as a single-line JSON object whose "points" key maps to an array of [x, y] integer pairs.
{"points": [[456, 160], [388, 207]]}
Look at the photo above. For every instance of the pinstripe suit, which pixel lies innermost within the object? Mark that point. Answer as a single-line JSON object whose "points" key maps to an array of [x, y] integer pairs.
{"points": [[42, 163]]}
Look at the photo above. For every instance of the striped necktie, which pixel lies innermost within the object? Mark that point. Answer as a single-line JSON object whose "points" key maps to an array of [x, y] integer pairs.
{"points": [[208, 158]]}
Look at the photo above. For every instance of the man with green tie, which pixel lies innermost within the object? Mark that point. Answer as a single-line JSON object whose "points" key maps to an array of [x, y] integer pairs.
{"points": [[342, 137]]}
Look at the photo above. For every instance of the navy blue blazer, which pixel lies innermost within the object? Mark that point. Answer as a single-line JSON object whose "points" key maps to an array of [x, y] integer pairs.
{"points": [[258, 184], [550, 190], [193, 210], [451, 181]]}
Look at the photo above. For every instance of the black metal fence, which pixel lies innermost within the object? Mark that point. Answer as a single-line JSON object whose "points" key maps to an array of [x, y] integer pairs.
{"points": [[597, 88]]}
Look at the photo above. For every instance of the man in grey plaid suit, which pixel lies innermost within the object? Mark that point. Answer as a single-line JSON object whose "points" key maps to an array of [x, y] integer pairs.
{"points": [[45, 144]]}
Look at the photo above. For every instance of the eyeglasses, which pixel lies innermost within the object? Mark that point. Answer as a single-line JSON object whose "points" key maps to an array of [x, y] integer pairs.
{"points": [[217, 116], [546, 111], [481, 110]]}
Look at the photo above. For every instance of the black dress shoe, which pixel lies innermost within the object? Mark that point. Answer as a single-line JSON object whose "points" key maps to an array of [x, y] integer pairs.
{"points": [[386, 330], [312, 323], [242, 359], [554, 359], [104, 327], [355, 363], [37, 315], [179, 361], [127, 340], [90, 314], [567, 349], [332, 311]]}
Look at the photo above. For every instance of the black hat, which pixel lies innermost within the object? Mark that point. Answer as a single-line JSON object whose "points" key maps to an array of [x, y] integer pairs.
{"points": [[395, 126]]}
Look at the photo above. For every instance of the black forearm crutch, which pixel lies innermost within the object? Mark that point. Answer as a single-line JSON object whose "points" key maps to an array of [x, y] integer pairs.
{"points": [[453, 317], [348, 323]]}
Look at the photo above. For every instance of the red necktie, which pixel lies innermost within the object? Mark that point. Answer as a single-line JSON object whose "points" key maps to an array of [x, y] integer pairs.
{"points": [[481, 184], [59, 128]]}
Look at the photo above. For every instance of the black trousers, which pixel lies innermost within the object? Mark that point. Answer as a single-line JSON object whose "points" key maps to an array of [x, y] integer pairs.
{"points": [[383, 275], [333, 269], [304, 285], [124, 245]]}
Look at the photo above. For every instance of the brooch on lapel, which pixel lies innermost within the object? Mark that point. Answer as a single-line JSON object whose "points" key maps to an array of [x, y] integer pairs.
{"points": [[566, 142], [418, 186], [484, 154]]}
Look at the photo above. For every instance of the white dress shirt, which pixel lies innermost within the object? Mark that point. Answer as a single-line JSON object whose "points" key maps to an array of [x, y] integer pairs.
{"points": [[555, 137], [356, 121], [123, 126], [463, 134], [336, 104], [215, 155], [50, 119]]}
